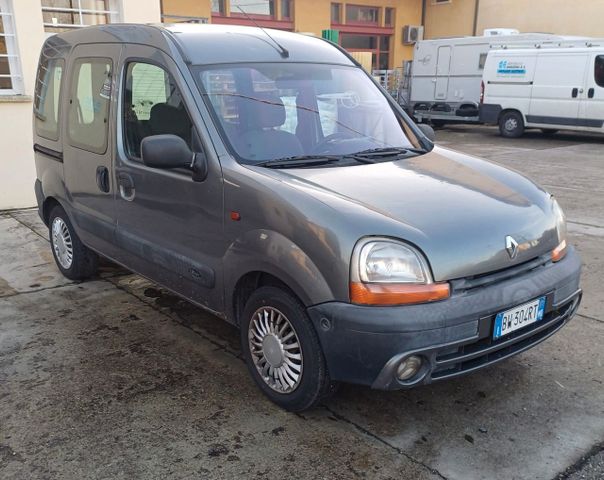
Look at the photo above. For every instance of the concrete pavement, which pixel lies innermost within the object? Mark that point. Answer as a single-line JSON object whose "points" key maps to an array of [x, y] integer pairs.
{"points": [[116, 378]]}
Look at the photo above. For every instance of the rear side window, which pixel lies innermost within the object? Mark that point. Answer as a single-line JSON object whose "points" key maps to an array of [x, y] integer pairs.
{"points": [[599, 72], [89, 104], [47, 97], [153, 105]]}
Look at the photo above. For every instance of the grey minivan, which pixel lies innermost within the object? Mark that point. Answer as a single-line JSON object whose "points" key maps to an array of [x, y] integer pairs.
{"points": [[265, 177]]}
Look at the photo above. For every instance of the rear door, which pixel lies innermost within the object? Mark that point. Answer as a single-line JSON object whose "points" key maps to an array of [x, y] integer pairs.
{"points": [[88, 144], [443, 65], [558, 88], [169, 228], [592, 106]]}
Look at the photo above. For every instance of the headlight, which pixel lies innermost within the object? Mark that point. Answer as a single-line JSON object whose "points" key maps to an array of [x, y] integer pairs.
{"points": [[559, 252], [388, 272], [389, 262]]}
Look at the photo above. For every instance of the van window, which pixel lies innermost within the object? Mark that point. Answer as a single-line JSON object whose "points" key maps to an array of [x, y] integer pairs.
{"points": [[89, 104], [153, 105], [482, 60], [46, 103], [599, 71]]}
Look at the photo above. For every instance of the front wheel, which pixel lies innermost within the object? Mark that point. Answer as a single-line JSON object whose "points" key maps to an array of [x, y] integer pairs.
{"points": [[282, 350], [511, 124], [74, 259]]}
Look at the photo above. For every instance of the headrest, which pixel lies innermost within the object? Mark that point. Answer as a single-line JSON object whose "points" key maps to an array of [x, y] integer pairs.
{"points": [[262, 110], [164, 118]]}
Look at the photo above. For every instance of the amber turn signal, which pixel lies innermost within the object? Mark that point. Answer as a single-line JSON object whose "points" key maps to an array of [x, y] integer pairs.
{"points": [[397, 293], [559, 252]]}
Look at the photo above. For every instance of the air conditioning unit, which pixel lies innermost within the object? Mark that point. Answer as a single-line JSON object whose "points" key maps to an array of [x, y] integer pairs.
{"points": [[412, 34]]}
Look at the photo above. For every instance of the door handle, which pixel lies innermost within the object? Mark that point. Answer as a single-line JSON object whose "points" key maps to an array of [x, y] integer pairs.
{"points": [[591, 92], [575, 92], [102, 179], [126, 183]]}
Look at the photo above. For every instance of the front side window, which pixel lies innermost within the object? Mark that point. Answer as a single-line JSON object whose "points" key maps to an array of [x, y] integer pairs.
{"points": [[153, 105], [599, 71], [10, 78], [64, 15], [89, 104], [47, 96], [274, 111]]}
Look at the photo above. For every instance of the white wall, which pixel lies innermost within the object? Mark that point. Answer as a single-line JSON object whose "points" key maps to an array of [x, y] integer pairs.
{"points": [[17, 170]]}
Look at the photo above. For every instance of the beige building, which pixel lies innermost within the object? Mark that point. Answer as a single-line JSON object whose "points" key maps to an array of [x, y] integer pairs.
{"points": [[448, 18], [24, 24]]}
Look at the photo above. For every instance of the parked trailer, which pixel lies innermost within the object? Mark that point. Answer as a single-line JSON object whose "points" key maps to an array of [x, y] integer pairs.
{"points": [[546, 88], [446, 74]]}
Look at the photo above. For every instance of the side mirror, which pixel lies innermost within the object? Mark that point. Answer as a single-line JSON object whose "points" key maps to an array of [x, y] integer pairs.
{"points": [[166, 151], [428, 131]]}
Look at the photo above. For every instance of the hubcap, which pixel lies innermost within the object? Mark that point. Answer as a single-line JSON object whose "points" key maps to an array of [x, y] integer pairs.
{"points": [[511, 124], [275, 349], [61, 243]]}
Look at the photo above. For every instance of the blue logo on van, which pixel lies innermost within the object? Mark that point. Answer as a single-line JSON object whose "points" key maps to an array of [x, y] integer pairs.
{"points": [[511, 68]]}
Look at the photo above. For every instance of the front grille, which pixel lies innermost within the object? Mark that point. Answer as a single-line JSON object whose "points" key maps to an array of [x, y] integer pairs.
{"points": [[486, 279], [486, 351]]}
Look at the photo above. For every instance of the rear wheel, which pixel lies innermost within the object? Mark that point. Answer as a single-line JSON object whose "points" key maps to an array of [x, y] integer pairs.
{"points": [[282, 350], [511, 124], [74, 259]]}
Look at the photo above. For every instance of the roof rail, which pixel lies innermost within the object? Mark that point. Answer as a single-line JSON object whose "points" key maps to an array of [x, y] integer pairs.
{"points": [[583, 43]]}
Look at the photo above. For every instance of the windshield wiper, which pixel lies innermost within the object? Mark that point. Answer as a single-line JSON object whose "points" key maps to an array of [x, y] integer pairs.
{"points": [[299, 161], [388, 152]]}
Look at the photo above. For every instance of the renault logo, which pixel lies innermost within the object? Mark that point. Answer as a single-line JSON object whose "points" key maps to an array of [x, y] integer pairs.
{"points": [[511, 246]]}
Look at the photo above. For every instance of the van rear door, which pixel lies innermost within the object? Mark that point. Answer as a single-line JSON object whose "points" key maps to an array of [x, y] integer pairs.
{"points": [[592, 106], [558, 88]]}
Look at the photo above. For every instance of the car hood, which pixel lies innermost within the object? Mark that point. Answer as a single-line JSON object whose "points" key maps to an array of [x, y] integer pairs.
{"points": [[455, 208]]}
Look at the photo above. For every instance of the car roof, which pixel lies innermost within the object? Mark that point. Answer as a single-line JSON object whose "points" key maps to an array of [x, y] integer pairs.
{"points": [[213, 44]]}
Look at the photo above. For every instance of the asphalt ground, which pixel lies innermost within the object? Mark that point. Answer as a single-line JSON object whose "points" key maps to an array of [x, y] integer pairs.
{"points": [[116, 378]]}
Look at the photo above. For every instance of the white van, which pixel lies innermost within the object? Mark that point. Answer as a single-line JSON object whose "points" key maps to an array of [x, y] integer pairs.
{"points": [[444, 78], [546, 88]]}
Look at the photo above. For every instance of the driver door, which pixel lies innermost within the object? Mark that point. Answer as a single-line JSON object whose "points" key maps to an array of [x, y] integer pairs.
{"points": [[169, 228]]}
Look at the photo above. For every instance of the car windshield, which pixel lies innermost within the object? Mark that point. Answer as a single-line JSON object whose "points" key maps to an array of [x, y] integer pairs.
{"points": [[279, 111]]}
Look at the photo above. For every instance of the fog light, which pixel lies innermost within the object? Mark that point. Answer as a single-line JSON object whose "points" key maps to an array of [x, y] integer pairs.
{"points": [[408, 367]]}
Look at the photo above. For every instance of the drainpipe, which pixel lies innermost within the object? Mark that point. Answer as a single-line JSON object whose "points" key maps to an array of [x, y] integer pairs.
{"points": [[424, 16], [476, 9]]}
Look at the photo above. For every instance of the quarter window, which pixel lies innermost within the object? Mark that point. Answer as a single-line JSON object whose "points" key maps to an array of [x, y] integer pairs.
{"points": [[89, 104], [10, 78], [599, 71], [153, 105], [46, 103]]}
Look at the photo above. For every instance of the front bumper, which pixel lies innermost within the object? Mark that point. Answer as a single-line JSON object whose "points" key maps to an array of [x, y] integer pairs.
{"points": [[364, 345]]}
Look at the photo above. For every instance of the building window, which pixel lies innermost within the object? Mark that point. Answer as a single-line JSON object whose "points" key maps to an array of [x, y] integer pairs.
{"points": [[286, 9], [62, 15], [264, 8], [218, 7], [336, 13], [389, 17], [46, 102], [356, 14], [10, 71], [89, 104], [378, 45]]}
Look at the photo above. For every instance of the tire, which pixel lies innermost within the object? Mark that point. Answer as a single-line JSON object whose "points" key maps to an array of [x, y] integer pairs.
{"points": [[511, 124], [63, 239], [549, 131], [275, 307]]}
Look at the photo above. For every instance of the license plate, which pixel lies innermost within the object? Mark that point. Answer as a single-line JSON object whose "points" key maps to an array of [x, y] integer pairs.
{"points": [[518, 317]]}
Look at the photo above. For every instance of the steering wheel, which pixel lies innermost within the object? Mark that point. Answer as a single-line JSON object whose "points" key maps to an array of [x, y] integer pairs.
{"points": [[324, 145]]}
